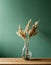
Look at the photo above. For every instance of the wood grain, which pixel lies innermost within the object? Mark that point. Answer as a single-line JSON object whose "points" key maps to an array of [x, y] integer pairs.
{"points": [[34, 61]]}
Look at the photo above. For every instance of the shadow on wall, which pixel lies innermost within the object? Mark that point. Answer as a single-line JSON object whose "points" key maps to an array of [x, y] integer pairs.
{"points": [[40, 46], [1, 51]]}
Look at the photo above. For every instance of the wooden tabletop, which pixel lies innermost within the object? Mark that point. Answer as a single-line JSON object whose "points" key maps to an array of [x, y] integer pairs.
{"points": [[22, 61]]}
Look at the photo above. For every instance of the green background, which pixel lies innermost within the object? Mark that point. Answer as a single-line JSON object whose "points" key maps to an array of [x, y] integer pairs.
{"points": [[15, 12]]}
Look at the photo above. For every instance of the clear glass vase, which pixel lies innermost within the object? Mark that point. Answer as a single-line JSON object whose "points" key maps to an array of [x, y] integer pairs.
{"points": [[26, 53]]}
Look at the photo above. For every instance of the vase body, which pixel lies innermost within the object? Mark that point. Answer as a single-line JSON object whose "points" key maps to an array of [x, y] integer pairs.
{"points": [[26, 54]]}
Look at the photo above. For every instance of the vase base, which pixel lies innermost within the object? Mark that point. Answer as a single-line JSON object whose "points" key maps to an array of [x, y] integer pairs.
{"points": [[26, 58]]}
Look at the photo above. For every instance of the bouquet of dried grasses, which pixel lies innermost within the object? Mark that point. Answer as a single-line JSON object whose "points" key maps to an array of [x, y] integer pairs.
{"points": [[30, 32]]}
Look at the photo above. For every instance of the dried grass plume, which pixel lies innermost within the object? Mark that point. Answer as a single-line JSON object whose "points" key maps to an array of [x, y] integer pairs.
{"points": [[30, 32]]}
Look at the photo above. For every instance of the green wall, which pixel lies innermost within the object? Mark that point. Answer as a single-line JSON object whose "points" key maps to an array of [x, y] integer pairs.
{"points": [[15, 12]]}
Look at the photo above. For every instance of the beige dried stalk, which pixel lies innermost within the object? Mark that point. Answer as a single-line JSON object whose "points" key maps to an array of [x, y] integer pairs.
{"points": [[30, 32], [27, 26], [21, 33], [33, 32]]}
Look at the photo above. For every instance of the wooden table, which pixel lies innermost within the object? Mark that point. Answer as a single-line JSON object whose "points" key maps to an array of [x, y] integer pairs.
{"points": [[15, 61]]}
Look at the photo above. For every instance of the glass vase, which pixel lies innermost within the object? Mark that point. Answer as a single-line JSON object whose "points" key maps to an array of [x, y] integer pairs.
{"points": [[26, 53]]}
